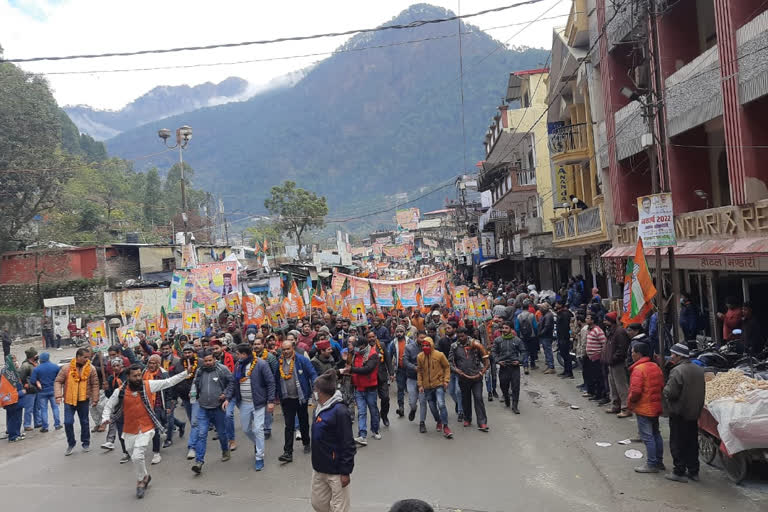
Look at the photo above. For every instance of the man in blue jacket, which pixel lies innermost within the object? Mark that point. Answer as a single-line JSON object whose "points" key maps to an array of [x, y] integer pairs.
{"points": [[42, 377], [293, 385], [253, 391], [333, 448]]}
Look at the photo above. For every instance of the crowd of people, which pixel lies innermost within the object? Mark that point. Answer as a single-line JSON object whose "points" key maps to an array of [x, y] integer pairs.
{"points": [[327, 374]]}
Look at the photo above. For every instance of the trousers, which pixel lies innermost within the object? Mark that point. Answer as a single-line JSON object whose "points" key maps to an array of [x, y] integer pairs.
{"points": [[43, 399], [491, 376], [81, 409], [383, 392], [509, 377], [564, 349], [648, 428], [366, 401], [455, 391], [401, 379], [252, 422], [191, 409], [327, 493], [204, 418], [413, 392], [549, 357], [136, 445], [436, 399], [292, 409], [684, 445], [531, 352], [472, 390], [619, 386]]}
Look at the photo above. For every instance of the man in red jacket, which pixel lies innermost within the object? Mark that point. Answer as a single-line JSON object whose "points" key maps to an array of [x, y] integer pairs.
{"points": [[646, 383], [364, 372]]}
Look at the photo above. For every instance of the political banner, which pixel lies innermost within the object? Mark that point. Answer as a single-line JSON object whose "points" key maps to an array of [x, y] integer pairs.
{"points": [[276, 317], [656, 225], [460, 297], [126, 333], [482, 308], [407, 219], [232, 301], [432, 287], [97, 335], [192, 323], [253, 312], [202, 285], [396, 251], [357, 314], [175, 322], [152, 329]]}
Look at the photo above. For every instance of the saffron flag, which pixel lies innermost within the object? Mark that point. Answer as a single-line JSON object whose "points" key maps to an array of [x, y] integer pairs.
{"points": [[345, 312], [317, 302], [396, 303], [345, 289], [265, 246], [638, 288]]}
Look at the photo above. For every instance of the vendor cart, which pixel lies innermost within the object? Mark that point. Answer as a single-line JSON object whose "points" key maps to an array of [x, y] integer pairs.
{"points": [[736, 464]]}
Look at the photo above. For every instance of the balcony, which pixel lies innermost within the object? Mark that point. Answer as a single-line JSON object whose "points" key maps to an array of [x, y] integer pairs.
{"points": [[577, 29], [579, 227], [526, 178], [626, 25], [569, 144], [693, 93], [753, 66], [630, 127]]}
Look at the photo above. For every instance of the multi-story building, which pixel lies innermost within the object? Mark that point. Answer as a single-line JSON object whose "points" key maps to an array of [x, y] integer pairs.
{"points": [[713, 60], [576, 170]]}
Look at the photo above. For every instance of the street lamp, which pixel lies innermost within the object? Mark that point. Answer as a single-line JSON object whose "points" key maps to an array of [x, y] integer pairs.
{"points": [[183, 136]]}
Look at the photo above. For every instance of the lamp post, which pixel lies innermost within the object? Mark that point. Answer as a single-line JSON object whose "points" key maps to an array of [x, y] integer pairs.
{"points": [[183, 136]]}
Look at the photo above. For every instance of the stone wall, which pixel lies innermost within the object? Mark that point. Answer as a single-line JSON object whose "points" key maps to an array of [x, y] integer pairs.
{"points": [[22, 325], [88, 294]]}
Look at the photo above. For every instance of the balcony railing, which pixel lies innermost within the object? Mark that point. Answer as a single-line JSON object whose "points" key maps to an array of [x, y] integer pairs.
{"points": [[568, 139], [526, 177], [580, 224]]}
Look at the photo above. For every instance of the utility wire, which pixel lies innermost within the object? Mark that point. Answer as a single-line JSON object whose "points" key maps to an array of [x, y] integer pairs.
{"points": [[413, 24]]}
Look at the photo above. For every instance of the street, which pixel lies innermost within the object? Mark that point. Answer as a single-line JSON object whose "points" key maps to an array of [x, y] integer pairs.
{"points": [[546, 458]]}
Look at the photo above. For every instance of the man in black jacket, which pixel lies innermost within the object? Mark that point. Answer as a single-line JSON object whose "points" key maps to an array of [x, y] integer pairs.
{"points": [[508, 352], [563, 323], [386, 374], [333, 448], [546, 334], [616, 347]]}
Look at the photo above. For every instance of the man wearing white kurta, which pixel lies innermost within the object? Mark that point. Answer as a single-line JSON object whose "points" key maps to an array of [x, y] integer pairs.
{"points": [[134, 403]]}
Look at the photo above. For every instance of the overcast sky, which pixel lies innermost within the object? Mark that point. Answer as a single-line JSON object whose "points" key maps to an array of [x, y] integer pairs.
{"points": [[32, 28]]}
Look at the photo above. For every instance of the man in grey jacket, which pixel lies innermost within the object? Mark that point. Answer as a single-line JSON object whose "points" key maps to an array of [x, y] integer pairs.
{"points": [[508, 352], [210, 383], [683, 400]]}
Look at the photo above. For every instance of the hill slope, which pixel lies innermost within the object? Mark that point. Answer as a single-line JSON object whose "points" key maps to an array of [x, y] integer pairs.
{"points": [[360, 127]]}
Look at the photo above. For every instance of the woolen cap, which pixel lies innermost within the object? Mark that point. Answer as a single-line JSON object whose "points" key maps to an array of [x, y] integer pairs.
{"points": [[681, 350], [611, 317]]}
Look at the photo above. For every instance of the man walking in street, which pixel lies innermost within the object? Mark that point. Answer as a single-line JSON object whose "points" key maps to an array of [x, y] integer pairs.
{"points": [[546, 334], [252, 389], [386, 373], [293, 385], [469, 360], [211, 381], [333, 448], [444, 346], [364, 373], [433, 376], [509, 352], [616, 347], [684, 400], [77, 385], [402, 347], [646, 384], [29, 400], [190, 363], [563, 323], [323, 360], [526, 328], [42, 378]]}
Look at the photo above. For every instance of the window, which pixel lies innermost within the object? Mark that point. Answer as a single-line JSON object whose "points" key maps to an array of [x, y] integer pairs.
{"points": [[169, 264]]}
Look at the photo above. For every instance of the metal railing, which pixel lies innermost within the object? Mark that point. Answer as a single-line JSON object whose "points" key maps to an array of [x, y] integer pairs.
{"points": [[568, 138], [526, 177], [559, 232], [589, 220], [579, 224]]}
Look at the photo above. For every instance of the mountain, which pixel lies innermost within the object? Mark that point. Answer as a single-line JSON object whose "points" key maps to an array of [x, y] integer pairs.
{"points": [[361, 127]]}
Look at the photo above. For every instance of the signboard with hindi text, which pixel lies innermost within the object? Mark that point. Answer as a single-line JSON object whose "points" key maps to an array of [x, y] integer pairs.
{"points": [[656, 224]]}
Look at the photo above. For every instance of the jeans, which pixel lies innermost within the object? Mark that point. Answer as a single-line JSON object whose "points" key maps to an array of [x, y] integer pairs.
{"points": [[204, 419], [648, 428], [510, 376], [564, 348], [252, 422], [401, 379], [366, 400], [684, 444], [436, 400], [413, 393], [294, 410], [549, 358], [268, 418], [81, 409], [192, 410], [231, 420], [31, 410], [42, 401], [472, 390], [171, 422], [490, 377], [531, 352], [13, 414], [455, 391]]}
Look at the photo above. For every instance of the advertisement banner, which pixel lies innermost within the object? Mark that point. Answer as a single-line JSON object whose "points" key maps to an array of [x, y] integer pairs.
{"points": [[357, 312], [396, 251], [489, 244], [97, 335], [277, 317], [656, 225], [432, 287], [407, 219]]}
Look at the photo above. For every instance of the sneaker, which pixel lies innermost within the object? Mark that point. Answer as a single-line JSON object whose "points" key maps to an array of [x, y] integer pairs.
{"points": [[548, 371], [646, 469], [58, 427], [108, 446], [59, 348], [467, 423], [125, 458], [43, 430], [16, 440], [86, 448], [361, 441], [422, 428], [483, 428], [400, 412], [624, 414], [232, 445], [694, 478], [191, 454], [197, 468], [377, 436], [490, 398], [156, 458], [258, 464], [286, 457], [181, 430], [308, 448], [676, 478], [447, 432], [298, 435], [167, 443], [439, 427], [225, 456], [267, 435], [69, 451], [411, 414]]}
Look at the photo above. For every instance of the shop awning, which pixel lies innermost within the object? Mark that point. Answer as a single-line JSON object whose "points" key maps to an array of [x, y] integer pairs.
{"points": [[740, 246]]}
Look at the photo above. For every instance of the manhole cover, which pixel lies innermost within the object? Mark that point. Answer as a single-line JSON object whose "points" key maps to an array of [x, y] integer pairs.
{"points": [[204, 491]]}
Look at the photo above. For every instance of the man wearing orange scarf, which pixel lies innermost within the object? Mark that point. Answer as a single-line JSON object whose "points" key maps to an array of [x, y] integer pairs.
{"points": [[76, 385]]}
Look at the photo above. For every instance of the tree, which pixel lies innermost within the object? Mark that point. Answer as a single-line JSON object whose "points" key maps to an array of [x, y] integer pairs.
{"points": [[297, 209], [264, 230], [152, 197]]}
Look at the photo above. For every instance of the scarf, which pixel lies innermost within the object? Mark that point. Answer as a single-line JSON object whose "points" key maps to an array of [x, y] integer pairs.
{"points": [[240, 368], [117, 414], [77, 383]]}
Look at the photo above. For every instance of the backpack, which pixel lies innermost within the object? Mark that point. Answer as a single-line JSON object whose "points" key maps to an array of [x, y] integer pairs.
{"points": [[526, 326]]}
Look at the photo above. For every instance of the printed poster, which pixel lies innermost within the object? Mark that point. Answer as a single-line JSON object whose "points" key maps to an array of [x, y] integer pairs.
{"points": [[203, 285], [233, 302], [175, 322], [253, 312], [192, 322], [656, 224], [152, 330], [97, 335], [277, 317], [357, 312], [460, 297], [483, 310], [407, 219]]}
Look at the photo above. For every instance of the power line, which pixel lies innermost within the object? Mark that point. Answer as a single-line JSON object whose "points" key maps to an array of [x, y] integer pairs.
{"points": [[413, 24]]}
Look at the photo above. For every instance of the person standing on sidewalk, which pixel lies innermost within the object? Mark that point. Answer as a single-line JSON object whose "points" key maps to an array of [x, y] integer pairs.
{"points": [[469, 360], [546, 334], [42, 378], [644, 399], [684, 400], [563, 322], [594, 348], [77, 385], [253, 391], [210, 382], [433, 376], [10, 400], [616, 347], [29, 400], [509, 352], [333, 448], [293, 385]]}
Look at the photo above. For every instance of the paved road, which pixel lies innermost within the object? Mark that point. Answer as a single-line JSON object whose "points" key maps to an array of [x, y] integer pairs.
{"points": [[544, 459]]}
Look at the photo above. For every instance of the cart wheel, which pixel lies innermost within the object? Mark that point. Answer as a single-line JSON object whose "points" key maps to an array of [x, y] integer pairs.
{"points": [[707, 448], [736, 467]]}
